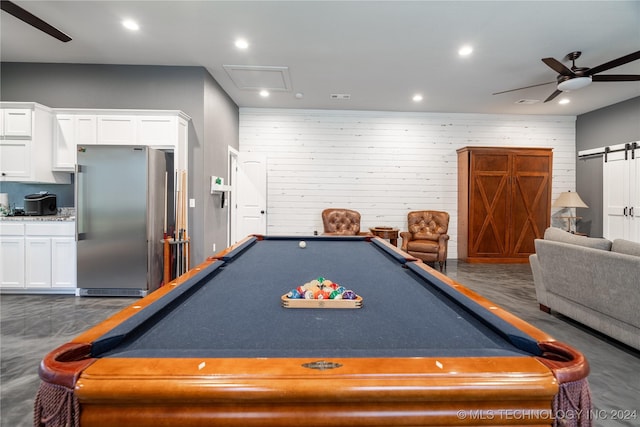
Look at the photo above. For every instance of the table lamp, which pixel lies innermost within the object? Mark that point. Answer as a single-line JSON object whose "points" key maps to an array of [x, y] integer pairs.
{"points": [[569, 200]]}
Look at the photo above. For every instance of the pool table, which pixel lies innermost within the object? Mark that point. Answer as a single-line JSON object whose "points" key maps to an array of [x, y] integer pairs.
{"points": [[217, 347]]}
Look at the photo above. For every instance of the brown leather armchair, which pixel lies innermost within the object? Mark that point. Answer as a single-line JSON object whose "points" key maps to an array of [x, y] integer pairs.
{"points": [[343, 222], [427, 238]]}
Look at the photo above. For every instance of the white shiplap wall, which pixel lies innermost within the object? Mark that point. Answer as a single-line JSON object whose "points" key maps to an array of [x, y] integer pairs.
{"points": [[383, 164]]}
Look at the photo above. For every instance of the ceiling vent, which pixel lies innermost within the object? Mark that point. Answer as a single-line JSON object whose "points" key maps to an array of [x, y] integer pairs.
{"points": [[341, 96], [527, 101], [255, 77]]}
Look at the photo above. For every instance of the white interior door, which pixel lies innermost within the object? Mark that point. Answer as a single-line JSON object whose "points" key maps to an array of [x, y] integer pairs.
{"points": [[634, 194], [615, 182], [251, 195]]}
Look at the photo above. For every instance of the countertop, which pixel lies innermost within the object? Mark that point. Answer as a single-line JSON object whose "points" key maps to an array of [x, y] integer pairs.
{"points": [[64, 214], [38, 218]]}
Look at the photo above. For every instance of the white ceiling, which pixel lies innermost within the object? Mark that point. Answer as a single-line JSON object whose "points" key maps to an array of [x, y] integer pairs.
{"points": [[379, 52]]}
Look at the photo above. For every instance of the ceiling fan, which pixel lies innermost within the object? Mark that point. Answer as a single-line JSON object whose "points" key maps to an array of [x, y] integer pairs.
{"points": [[575, 78], [15, 10]]}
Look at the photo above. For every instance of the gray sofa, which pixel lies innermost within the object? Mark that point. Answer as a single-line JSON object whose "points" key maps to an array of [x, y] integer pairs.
{"points": [[591, 280]]}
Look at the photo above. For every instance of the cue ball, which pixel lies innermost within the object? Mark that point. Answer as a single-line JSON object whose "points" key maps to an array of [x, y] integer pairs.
{"points": [[302, 244]]}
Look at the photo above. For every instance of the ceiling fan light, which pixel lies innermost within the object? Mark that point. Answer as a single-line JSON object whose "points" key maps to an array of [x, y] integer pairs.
{"points": [[574, 83]]}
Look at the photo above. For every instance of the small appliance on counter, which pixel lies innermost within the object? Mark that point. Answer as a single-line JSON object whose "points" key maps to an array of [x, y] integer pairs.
{"points": [[40, 204]]}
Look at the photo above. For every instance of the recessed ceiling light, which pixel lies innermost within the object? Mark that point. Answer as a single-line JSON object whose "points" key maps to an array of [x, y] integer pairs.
{"points": [[264, 93], [417, 97], [465, 50], [130, 24], [242, 44], [564, 101]]}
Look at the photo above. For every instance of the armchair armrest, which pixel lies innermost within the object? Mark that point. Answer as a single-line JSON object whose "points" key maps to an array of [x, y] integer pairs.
{"points": [[443, 244], [406, 238]]}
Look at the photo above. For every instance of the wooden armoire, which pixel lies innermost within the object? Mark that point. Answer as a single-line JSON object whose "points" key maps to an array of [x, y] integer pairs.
{"points": [[504, 202]]}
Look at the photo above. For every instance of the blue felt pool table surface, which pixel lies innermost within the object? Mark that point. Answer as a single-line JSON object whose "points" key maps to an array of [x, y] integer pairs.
{"points": [[233, 309]]}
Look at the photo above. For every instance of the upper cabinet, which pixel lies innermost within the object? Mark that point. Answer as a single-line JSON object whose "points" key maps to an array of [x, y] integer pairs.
{"points": [[117, 130], [16, 122], [40, 144], [71, 130], [26, 147], [160, 129]]}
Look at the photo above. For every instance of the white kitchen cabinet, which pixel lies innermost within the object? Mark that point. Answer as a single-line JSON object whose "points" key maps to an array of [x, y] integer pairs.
{"points": [[157, 131], [117, 130], [86, 129], [26, 144], [15, 143], [71, 130], [621, 193], [16, 123], [37, 262], [12, 262], [161, 129], [15, 159], [11, 255], [38, 256], [63, 262]]}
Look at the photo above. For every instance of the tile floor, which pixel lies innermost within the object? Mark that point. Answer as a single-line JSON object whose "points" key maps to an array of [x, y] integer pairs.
{"points": [[32, 325]]}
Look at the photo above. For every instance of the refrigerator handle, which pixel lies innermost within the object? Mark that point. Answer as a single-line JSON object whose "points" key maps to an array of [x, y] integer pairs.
{"points": [[80, 211]]}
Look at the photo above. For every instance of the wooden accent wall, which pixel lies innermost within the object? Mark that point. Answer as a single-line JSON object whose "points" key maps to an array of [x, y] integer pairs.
{"points": [[504, 201]]}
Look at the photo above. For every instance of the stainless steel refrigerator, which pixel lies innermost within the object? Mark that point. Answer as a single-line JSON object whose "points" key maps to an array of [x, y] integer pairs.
{"points": [[120, 212]]}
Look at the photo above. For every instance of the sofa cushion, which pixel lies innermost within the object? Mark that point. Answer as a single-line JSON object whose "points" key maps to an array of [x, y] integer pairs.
{"points": [[626, 247], [558, 235]]}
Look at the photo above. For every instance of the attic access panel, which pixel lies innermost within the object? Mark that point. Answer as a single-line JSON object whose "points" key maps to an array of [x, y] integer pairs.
{"points": [[256, 77]]}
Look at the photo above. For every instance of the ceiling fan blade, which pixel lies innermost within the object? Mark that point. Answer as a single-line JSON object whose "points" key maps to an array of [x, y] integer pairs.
{"points": [[33, 20], [553, 95], [616, 78], [557, 66], [525, 87], [615, 63]]}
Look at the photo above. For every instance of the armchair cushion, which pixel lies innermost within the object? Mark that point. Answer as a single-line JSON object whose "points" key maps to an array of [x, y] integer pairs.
{"points": [[341, 221], [427, 246]]}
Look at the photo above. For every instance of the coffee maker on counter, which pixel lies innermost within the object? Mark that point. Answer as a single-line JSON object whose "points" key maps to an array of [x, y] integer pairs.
{"points": [[40, 204]]}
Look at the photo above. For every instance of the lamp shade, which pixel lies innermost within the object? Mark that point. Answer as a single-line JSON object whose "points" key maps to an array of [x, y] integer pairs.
{"points": [[569, 199]]}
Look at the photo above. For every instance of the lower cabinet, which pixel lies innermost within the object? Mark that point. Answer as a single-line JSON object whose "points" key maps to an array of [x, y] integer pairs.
{"points": [[11, 261], [37, 262], [38, 255], [63, 262]]}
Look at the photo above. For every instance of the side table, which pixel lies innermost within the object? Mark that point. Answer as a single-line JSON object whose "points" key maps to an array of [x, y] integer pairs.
{"points": [[386, 233]]}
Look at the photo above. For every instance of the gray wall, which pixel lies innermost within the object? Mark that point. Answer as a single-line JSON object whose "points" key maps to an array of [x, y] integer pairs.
{"points": [[616, 124], [214, 124]]}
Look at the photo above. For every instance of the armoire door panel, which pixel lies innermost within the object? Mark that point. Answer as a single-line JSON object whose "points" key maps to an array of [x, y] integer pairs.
{"points": [[531, 195], [524, 163], [489, 211]]}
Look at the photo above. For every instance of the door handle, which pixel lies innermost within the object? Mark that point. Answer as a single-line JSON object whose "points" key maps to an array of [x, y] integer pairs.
{"points": [[624, 212], [262, 212]]}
